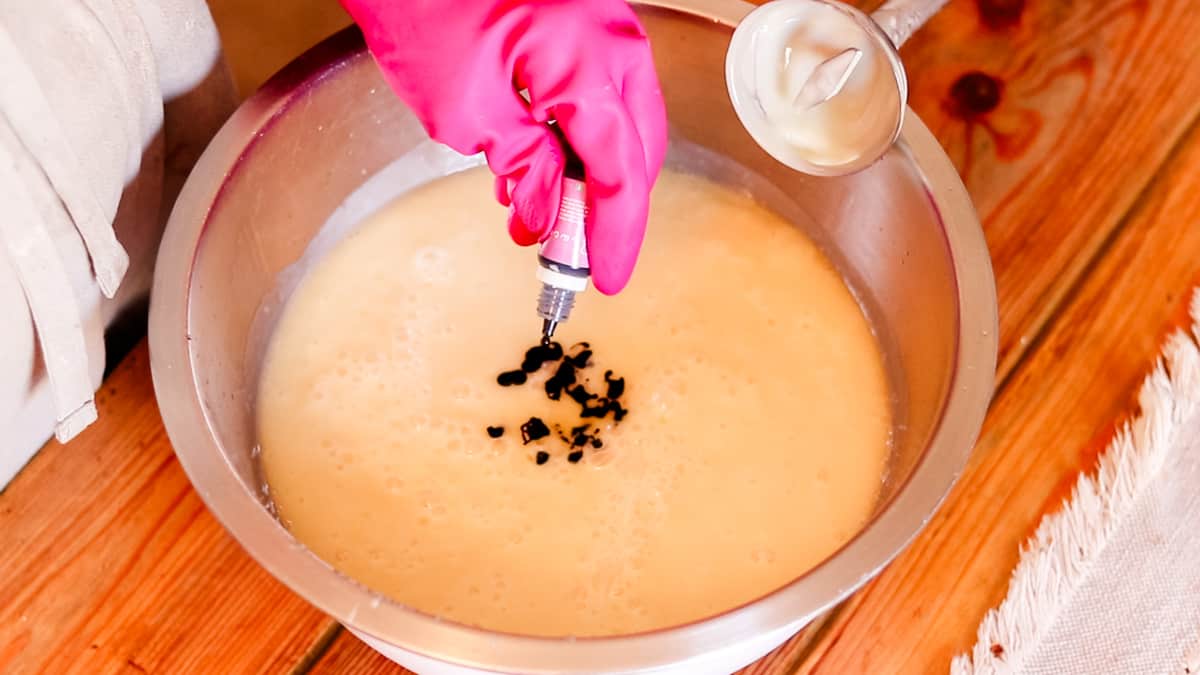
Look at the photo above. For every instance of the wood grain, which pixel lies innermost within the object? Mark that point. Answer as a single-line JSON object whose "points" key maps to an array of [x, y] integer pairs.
{"points": [[260, 38], [1053, 419], [1056, 113], [109, 562]]}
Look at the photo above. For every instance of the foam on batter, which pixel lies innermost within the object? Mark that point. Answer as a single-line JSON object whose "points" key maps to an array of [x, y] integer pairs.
{"points": [[753, 447]]}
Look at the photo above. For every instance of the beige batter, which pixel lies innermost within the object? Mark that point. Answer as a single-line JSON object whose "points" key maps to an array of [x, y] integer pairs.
{"points": [[754, 445]]}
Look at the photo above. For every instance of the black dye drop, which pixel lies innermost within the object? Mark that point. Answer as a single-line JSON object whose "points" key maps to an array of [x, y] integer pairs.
{"points": [[579, 394], [618, 410], [534, 429], [597, 410], [616, 385], [601, 408], [583, 436], [511, 377], [562, 378], [538, 356], [567, 377], [580, 360]]}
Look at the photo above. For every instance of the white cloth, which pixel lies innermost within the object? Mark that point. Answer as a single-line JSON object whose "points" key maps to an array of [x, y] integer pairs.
{"points": [[1111, 584], [104, 106]]}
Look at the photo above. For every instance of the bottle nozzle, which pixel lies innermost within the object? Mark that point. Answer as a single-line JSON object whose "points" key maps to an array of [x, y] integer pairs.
{"points": [[554, 306], [562, 258]]}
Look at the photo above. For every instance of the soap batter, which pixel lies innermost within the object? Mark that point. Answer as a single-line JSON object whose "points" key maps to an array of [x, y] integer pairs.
{"points": [[754, 445]]}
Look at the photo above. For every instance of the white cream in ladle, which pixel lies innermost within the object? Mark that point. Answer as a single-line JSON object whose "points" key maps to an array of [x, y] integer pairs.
{"points": [[770, 68]]}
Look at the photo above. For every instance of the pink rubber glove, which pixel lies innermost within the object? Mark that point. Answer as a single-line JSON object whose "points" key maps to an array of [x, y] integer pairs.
{"points": [[459, 64]]}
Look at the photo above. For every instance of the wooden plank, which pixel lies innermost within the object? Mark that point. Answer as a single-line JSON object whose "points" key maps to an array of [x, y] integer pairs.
{"points": [[110, 562], [1056, 114], [1052, 420], [260, 38]]}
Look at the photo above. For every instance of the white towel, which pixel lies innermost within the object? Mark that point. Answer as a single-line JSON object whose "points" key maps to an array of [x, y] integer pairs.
{"points": [[104, 106], [1111, 584]]}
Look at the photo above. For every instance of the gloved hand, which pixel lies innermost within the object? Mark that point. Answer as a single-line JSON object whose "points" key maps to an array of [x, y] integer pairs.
{"points": [[459, 64]]}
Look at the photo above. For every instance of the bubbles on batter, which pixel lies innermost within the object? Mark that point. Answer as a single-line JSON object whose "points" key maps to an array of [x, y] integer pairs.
{"points": [[762, 556], [440, 513], [433, 265], [463, 391]]}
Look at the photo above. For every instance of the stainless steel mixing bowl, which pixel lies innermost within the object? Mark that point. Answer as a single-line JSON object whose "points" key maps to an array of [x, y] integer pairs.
{"points": [[306, 146]]}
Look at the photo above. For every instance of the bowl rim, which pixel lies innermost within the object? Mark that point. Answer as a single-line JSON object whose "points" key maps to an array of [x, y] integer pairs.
{"points": [[352, 604]]}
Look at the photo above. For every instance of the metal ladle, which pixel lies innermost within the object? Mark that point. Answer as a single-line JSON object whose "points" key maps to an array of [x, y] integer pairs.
{"points": [[885, 30], [899, 19]]}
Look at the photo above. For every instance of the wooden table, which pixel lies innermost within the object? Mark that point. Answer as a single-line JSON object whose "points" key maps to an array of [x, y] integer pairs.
{"points": [[1073, 124]]}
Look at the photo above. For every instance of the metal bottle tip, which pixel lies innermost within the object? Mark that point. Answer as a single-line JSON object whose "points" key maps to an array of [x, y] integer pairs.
{"points": [[548, 326]]}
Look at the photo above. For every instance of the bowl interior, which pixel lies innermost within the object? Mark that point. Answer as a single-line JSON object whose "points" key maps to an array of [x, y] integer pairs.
{"points": [[337, 145]]}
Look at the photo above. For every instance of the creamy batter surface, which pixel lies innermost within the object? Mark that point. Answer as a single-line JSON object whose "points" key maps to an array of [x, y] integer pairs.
{"points": [[753, 447]]}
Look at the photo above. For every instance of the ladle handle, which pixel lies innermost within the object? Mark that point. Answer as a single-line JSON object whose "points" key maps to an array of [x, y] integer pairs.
{"points": [[899, 19]]}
